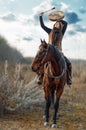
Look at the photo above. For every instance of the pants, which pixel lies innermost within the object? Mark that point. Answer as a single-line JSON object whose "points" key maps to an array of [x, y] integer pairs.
{"points": [[69, 68]]}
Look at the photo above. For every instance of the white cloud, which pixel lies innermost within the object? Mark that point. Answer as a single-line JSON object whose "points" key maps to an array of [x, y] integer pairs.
{"points": [[23, 25], [8, 17], [12, 0], [64, 6], [43, 6], [74, 46], [15, 32]]}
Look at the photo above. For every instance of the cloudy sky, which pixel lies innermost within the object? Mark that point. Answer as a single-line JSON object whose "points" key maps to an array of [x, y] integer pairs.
{"points": [[19, 24]]}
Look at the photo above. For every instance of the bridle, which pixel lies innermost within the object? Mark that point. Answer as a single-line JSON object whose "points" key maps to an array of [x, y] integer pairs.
{"points": [[55, 77], [47, 50], [42, 62]]}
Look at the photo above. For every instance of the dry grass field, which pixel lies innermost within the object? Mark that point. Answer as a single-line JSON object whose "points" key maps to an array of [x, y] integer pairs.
{"points": [[23, 100]]}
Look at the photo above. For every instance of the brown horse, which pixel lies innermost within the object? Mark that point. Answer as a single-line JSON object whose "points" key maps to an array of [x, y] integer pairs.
{"points": [[50, 62]]}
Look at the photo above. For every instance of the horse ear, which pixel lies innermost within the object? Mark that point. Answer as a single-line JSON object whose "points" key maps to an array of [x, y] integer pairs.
{"points": [[45, 44], [41, 40]]}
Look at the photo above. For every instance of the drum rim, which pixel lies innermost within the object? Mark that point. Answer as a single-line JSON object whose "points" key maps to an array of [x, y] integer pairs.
{"points": [[61, 17]]}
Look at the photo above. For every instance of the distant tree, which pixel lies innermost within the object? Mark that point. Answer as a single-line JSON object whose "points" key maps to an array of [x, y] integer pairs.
{"points": [[26, 60], [7, 52]]}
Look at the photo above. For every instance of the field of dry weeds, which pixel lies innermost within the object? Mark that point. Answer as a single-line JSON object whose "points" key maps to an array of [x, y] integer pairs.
{"points": [[23, 100]]}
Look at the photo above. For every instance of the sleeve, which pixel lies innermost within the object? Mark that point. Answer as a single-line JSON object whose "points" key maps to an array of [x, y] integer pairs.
{"points": [[48, 30], [64, 26]]}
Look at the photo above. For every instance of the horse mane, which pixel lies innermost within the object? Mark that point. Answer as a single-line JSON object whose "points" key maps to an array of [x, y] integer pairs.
{"points": [[59, 56]]}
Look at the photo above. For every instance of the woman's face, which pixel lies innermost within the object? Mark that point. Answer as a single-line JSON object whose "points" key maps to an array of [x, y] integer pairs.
{"points": [[57, 25]]}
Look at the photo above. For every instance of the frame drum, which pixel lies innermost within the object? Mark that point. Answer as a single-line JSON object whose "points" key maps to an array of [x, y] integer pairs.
{"points": [[56, 15]]}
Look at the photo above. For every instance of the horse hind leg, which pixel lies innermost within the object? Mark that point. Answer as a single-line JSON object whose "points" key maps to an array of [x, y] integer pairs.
{"points": [[56, 106]]}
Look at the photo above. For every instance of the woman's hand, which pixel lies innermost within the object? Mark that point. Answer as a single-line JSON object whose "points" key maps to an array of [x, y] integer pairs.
{"points": [[42, 13]]}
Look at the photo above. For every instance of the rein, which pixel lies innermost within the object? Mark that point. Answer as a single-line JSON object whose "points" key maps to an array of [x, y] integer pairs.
{"points": [[55, 77]]}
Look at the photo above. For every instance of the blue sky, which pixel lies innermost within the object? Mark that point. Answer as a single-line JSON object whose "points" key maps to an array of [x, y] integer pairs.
{"points": [[19, 24]]}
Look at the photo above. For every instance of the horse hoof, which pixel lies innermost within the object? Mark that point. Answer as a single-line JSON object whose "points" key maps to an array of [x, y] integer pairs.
{"points": [[46, 123], [44, 116], [54, 126]]}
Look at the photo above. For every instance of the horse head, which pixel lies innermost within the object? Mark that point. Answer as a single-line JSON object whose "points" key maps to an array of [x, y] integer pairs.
{"points": [[37, 64]]}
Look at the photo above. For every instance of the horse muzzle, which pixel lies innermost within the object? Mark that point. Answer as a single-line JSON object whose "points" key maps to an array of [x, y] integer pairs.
{"points": [[33, 69]]}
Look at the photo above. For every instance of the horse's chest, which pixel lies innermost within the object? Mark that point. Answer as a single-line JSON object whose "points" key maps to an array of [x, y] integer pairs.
{"points": [[56, 80]]}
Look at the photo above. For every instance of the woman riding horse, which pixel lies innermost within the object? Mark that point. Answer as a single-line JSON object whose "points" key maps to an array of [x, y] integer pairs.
{"points": [[49, 61], [55, 37]]}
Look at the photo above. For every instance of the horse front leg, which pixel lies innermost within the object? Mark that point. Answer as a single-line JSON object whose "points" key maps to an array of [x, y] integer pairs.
{"points": [[47, 106], [56, 107]]}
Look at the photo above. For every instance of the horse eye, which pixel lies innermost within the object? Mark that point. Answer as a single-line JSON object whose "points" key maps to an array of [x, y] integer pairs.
{"points": [[40, 53]]}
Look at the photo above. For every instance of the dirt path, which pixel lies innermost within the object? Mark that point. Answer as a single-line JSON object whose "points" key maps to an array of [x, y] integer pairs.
{"points": [[72, 114], [70, 118]]}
